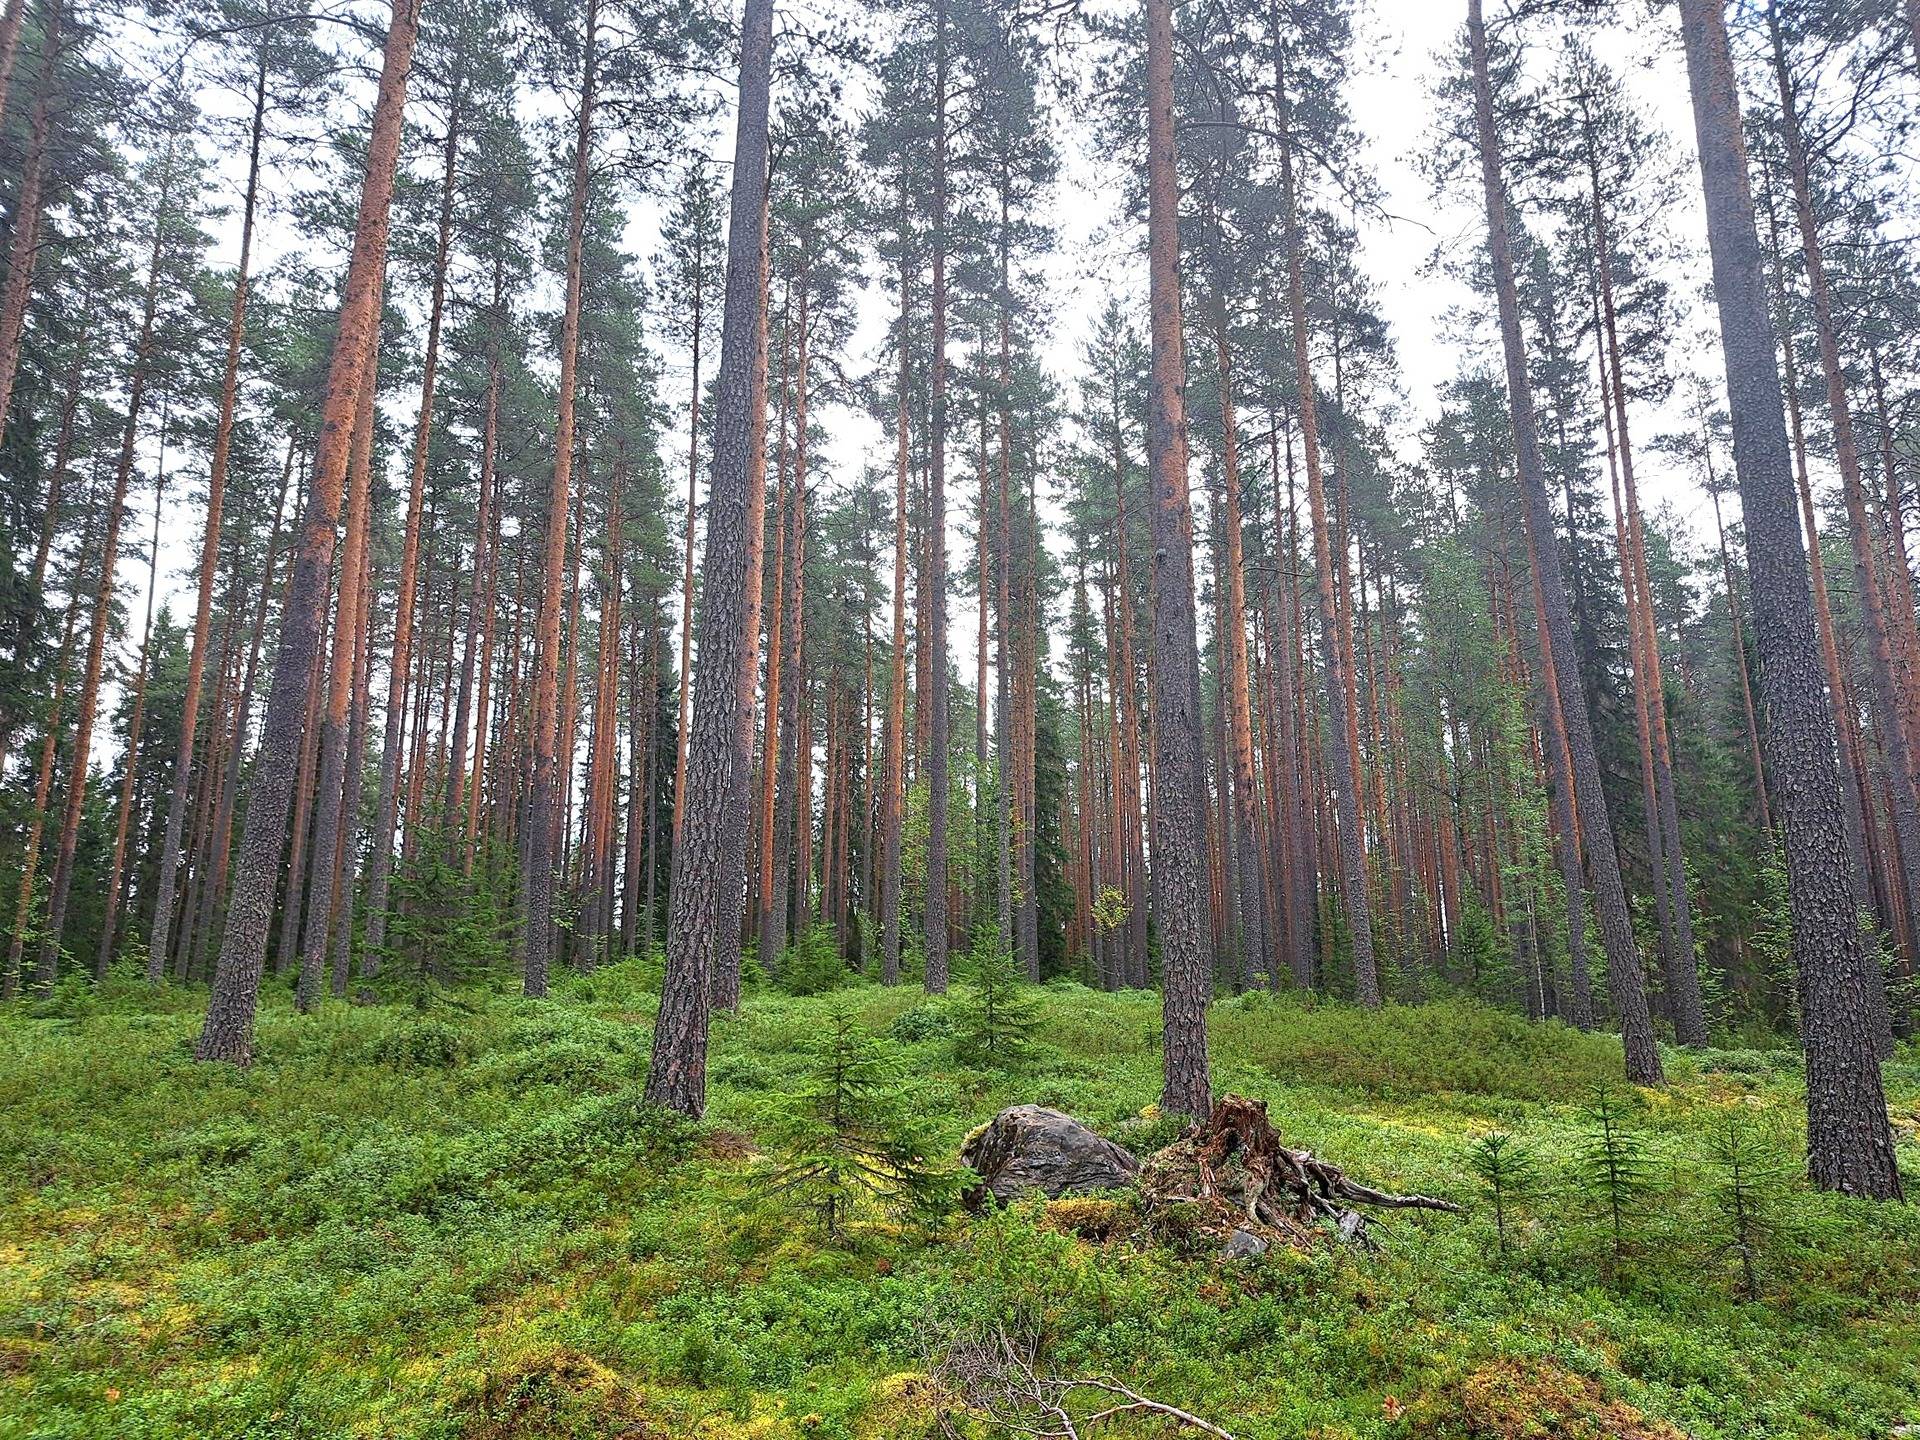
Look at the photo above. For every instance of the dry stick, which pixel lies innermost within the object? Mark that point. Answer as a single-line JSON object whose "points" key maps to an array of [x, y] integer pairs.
{"points": [[228, 1032], [1623, 958], [102, 620], [210, 539], [109, 922], [704, 862]]}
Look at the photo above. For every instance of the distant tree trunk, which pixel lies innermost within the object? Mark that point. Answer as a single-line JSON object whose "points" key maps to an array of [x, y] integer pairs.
{"points": [[457, 809], [1331, 588], [210, 541], [42, 790], [936, 523], [1624, 980], [130, 761], [1179, 811], [536, 927], [23, 248], [102, 621], [386, 802], [677, 1073], [686, 581], [893, 795], [325, 893], [1740, 656], [228, 1031], [1239, 702], [1849, 1140], [1566, 822]]}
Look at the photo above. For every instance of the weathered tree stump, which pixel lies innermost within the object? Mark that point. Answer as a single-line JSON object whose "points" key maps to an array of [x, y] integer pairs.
{"points": [[1233, 1173]]}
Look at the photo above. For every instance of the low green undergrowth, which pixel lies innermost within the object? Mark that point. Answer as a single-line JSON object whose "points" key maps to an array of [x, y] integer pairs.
{"points": [[453, 1217]]}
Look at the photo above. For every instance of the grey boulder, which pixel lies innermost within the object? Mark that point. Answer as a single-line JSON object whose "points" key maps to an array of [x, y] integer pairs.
{"points": [[1030, 1149]]}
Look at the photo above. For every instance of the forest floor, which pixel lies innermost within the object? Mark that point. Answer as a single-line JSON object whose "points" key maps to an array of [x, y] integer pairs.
{"points": [[456, 1220]]}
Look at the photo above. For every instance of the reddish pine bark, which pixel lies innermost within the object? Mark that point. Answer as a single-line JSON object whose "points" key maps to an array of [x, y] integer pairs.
{"points": [[228, 1031]]}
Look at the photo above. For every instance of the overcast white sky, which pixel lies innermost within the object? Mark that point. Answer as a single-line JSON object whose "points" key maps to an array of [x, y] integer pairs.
{"points": [[1390, 101]]}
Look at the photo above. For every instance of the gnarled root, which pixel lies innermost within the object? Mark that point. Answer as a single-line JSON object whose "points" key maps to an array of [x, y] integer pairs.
{"points": [[1233, 1172]]}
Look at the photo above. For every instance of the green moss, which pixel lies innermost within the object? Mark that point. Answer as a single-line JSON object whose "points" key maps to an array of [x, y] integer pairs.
{"points": [[462, 1223]]}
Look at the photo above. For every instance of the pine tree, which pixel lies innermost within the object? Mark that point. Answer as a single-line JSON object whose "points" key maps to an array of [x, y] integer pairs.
{"points": [[848, 1133]]}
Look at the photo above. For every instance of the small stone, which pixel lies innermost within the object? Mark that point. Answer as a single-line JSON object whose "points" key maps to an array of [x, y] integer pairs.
{"points": [[1245, 1245]]}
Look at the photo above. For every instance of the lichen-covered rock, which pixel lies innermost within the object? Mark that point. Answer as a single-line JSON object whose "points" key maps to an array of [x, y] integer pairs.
{"points": [[1030, 1149]]}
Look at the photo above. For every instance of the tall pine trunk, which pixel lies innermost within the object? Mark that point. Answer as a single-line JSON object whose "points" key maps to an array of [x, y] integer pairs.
{"points": [[1335, 617], [210, 540], [380, 856], [102, 621], [536, 886], [1849, 1141], [736, 497], [1180, 807], [228, 1031], [1624, 980]]}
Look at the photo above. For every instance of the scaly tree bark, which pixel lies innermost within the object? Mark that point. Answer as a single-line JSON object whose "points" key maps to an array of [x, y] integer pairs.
{"points": [[228, 1031], [1624, 980], [1179, 809], [736, 497], [1891, 716], [1849, 1140], [536, 886]]}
